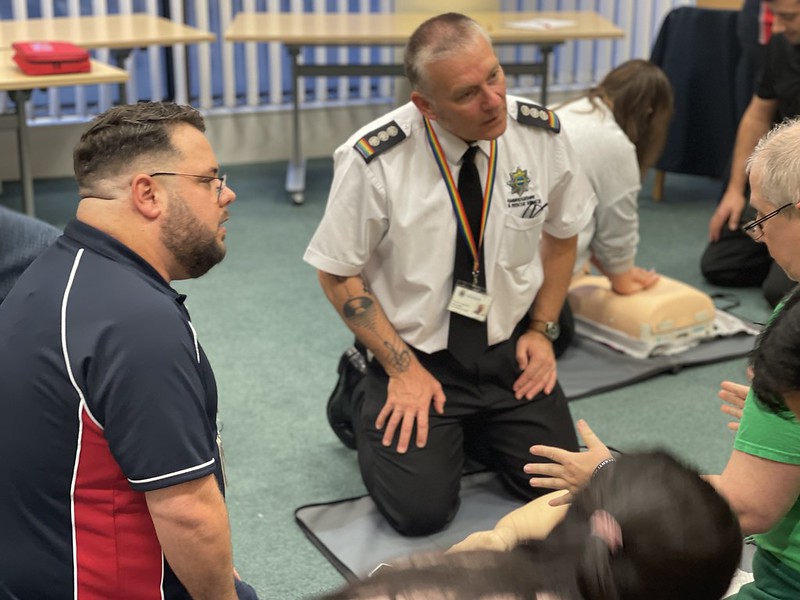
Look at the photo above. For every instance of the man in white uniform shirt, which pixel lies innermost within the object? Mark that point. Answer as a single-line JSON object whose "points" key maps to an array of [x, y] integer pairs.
{"points": [[458, 308]]}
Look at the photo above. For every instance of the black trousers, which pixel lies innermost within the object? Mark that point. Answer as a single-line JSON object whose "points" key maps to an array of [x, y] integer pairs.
{"points": [[418, 491], [735, 260]]}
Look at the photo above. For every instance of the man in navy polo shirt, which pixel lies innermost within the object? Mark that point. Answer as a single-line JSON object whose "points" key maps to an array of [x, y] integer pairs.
{"points": [[112, 473]]}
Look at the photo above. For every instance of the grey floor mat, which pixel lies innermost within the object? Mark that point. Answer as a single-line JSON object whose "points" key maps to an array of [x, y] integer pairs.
{"points": [[588, 367], [355, 537]]}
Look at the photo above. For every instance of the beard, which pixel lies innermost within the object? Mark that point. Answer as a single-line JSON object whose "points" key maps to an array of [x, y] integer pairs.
{"points": [[193, 245]]}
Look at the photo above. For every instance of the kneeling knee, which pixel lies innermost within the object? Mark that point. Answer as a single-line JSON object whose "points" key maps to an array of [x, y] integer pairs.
{"points": [[417, 519]]}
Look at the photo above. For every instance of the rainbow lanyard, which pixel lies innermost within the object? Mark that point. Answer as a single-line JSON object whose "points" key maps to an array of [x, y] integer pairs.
{"points": [[455, 197]]}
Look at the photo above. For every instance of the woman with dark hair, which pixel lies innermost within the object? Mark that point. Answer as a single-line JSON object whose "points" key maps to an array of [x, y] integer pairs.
{"points": [[618, 130], [646, 527], [774, 360]]}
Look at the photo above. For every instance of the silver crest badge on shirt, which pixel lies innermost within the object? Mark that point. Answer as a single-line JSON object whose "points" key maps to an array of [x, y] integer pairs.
{"points": [[521, 196], [518, 181]]}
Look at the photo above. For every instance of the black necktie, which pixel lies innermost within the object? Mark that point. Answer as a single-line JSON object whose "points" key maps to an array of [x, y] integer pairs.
{"points": [[468, 338]]}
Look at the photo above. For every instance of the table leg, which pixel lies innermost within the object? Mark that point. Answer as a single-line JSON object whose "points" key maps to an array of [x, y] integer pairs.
{"points": [[296, 171], [120, 55], [23, 151], [546, 50]]}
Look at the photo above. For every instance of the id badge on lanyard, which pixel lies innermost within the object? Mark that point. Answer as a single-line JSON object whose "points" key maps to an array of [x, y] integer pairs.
{"points": [[468, 299]]}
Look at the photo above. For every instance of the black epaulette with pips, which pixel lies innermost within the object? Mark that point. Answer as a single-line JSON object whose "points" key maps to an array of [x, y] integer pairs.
{"points": [[538, 116], [379, 140]]}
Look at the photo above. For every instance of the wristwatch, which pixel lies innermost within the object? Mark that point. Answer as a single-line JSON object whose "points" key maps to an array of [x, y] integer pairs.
{"points": [[550, 329]]}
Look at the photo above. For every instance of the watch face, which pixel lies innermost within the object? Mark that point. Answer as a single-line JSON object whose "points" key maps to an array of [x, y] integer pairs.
{"points": [[552, 331]]}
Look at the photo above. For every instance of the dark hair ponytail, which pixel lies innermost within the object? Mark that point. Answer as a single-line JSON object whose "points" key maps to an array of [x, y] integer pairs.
{"points": [[774, 357], [678, 537], [595, 576]]}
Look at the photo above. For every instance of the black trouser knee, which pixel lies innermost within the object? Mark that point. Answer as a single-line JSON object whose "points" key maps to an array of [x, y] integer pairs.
{"points": [[735, 259], [416, 491]]}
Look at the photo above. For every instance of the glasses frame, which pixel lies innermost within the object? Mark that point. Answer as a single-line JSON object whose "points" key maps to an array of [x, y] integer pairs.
{"points": [[223, 179], [755, 229]]}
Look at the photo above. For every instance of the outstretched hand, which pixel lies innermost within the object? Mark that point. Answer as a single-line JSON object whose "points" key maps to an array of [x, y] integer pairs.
{"points": [[569, 471], [734, 395]]}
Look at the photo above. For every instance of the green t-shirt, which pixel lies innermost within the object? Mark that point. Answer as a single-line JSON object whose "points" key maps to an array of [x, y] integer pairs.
{"points": [[774, 437]]}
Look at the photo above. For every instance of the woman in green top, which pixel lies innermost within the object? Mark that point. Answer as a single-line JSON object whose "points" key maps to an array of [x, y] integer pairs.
{"points": [[762, 478]]}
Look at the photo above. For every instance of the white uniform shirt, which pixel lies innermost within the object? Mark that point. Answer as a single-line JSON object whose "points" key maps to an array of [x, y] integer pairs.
{"points": [[391, 220], [609, 160]]}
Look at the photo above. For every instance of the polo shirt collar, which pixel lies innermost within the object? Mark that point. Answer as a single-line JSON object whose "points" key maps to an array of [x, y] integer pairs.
{"points": [[105, 245]]}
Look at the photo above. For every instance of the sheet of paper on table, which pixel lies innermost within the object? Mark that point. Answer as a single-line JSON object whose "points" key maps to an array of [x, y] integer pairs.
{"points": [[540, 24]]}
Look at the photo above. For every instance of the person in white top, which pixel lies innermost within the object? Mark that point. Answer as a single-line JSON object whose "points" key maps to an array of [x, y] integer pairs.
{"points": [[618, 130], [386, 254]]}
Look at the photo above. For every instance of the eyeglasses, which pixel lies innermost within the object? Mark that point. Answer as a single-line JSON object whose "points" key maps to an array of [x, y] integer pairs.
{"points": [[755, 229], [221, 178]]}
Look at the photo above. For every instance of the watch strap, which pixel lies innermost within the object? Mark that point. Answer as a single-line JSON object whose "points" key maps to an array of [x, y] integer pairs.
{"points": [[547, 328]]}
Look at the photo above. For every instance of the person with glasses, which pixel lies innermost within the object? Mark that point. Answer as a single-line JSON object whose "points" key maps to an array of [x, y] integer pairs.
{"points": [[109, 401], [762, 478], [731, 258]]}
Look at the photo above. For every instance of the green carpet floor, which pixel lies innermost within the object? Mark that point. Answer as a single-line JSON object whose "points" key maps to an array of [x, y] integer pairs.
{"points": [[274, 342]]}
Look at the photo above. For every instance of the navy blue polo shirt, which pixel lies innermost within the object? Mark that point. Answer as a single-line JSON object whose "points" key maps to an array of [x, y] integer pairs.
{"points": [[105, 394]]}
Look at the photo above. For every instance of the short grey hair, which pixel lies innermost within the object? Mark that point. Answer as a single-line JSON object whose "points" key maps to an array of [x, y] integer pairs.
{"points": [[776, 158], [439, 37]]}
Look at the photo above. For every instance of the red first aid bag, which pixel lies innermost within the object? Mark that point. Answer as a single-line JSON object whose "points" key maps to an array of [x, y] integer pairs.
{"points": [[50, 58]]}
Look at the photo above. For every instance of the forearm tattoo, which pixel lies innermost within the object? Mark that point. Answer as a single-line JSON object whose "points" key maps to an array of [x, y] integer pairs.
{"points": [[360, 311], [401, 360]]}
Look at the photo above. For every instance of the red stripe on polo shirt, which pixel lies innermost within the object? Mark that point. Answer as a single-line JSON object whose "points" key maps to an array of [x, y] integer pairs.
{"points": [[117, 551], [765, 22]]}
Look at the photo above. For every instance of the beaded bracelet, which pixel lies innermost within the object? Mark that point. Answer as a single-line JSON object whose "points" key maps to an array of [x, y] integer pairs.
{"points": [[603, 463]]}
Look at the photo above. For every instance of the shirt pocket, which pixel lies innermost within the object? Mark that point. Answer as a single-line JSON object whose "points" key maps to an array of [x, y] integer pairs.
{"points": [[520, 242]]}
